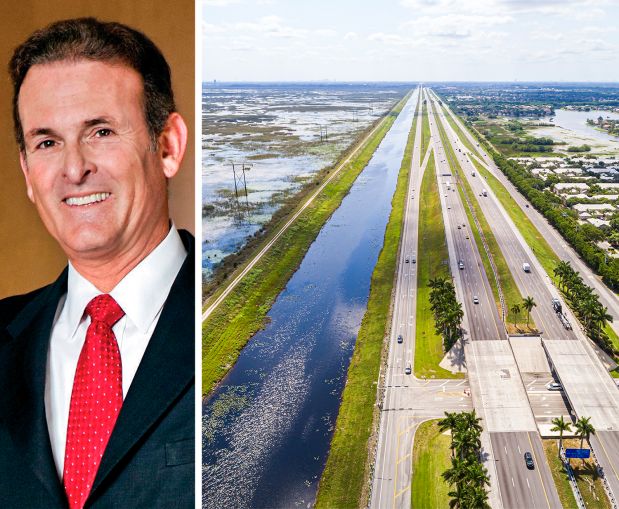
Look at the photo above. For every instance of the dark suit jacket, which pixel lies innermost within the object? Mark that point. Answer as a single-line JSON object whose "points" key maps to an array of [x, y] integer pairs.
{"points": [[149, 460]]}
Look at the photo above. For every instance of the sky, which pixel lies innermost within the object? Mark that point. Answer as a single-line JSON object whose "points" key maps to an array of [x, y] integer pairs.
{"points": [[410, 40]]}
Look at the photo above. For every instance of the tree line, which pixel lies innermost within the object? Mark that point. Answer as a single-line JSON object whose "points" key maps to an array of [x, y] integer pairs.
{"points": [[467, 476], [582, 299], [447, 311]]}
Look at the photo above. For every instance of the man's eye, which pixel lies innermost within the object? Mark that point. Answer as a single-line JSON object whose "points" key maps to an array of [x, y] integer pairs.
{"points": [[102, 133], [46, 144]]}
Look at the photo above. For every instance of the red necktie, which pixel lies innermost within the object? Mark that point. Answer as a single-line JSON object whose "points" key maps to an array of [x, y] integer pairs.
{"points": [[95, 400]]}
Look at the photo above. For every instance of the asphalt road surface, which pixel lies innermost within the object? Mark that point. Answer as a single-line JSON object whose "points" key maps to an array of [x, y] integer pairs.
{"points": [[520, 486]]}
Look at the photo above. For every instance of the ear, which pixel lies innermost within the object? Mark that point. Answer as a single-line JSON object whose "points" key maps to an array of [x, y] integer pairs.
{"points": [[24, 168], [172, 144]]}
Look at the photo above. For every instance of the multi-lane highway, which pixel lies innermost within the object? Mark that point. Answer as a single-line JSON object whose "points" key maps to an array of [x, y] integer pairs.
{"points": [[588, 387], [407, 401], [554, 239], [507, 385]]}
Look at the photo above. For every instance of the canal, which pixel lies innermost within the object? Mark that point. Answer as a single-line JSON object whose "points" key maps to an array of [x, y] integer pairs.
{"points": [[266, 430]]}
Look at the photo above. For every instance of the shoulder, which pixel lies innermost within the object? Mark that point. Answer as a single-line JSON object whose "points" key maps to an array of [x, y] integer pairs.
{"points": [[10, 307]]}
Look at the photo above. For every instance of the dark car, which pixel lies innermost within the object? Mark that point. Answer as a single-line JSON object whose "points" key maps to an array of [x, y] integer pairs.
{"points": [[400, 338], [528, 459]]}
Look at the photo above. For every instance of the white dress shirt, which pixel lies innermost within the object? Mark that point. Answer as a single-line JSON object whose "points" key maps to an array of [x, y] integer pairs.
{"points": [[141, 294]]}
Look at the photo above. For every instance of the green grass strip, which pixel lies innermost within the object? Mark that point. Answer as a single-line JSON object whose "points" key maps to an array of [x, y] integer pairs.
{"points": [[432, 262], [425, 130], [559, 475], [344, 481], [511, 293], [460, 134], [243, 312], [431, 457], [542, 250]]}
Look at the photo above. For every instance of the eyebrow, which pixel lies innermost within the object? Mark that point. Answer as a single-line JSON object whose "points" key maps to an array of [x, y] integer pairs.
{"points": [[48, 131]]}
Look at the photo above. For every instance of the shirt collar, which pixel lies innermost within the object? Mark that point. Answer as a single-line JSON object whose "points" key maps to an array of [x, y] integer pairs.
{"points": [[141, 293]]}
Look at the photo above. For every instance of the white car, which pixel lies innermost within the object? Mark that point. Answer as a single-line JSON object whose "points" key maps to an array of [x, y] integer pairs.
{"points": [[554, 386], [475, 299]]}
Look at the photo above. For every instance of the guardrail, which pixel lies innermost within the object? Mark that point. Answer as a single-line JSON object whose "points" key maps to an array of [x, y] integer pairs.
{"points": [[570, 474], [609, 493], [495, 271]]}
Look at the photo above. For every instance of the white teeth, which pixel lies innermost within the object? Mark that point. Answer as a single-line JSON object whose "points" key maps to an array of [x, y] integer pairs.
{"points": [[86, 200]]}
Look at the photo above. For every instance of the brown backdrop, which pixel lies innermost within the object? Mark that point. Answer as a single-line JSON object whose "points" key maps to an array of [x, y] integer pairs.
{"points": [[29, 257]]}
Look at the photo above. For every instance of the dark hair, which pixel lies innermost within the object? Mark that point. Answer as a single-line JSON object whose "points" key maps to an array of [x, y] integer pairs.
{"points": [[91, 39]]}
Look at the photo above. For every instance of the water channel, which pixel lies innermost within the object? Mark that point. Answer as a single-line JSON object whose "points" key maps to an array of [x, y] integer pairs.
{"points": [[266, 429]]}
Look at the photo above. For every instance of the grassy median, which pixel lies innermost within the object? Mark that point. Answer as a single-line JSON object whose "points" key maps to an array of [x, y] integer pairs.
{"points": [[559, 475], [244, 311], [432, 263], [588, 481], [344, 481], [460, 134], [431, 457], [542, 250], [425, 130], [511, 293]]}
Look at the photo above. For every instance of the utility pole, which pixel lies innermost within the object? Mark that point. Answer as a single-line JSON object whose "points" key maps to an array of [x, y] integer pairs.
{"points": [[323, 132], [238, 172]]}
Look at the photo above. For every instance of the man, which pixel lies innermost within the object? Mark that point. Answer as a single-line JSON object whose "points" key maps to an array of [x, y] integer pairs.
{"points": [[97, 369]]}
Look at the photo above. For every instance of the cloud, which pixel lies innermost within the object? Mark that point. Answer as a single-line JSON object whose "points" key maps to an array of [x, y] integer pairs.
{"points": [[350, 36], [219, 3]]}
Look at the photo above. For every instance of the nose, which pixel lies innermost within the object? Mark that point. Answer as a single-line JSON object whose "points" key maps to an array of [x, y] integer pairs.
{"points": [[77, 165]]}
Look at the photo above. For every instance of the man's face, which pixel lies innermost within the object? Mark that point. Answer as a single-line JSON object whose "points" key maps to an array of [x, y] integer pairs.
{"points": [[89, 165]]}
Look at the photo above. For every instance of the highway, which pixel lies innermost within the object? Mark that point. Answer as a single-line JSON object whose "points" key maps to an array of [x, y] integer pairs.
{"points": [[407, 401], [514, 248], [497, 389], [550, 234], [588, 387]]}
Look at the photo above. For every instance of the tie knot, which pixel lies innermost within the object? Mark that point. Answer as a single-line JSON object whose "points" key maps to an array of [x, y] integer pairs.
{"points": [[104, 308]]}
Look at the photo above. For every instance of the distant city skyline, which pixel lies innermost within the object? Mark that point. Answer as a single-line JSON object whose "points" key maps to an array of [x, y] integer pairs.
{"points": [[410, 40]]}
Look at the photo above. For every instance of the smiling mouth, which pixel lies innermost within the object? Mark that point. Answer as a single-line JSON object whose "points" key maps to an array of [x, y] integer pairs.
{"points": [[77, 201]]}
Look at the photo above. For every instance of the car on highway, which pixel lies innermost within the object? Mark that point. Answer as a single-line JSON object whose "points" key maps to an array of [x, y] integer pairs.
{"points": [[467, 236], [407, 260], [554, 386], [408, 370], [475, 299], [528, 459], [400, 338], [414, 259], [461, 264], [459, 227]]}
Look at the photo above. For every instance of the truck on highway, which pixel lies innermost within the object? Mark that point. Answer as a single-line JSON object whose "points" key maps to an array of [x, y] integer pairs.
{"points": [[556, 305], [526, 267], [484, 192]]}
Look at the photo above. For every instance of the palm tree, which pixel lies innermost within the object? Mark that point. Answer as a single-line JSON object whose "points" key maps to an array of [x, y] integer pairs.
{"points": [[449, 422], [477, 497], [560, 425], [471, 421], [562, 271], [457, 474], [515, 309], [528, 303], [459, 497], [584, 429], [477, 474], [601, 317]]}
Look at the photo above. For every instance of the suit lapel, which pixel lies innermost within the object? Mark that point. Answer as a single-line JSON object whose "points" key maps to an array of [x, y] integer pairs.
{"points": [[166, 370], [23, 385]]}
